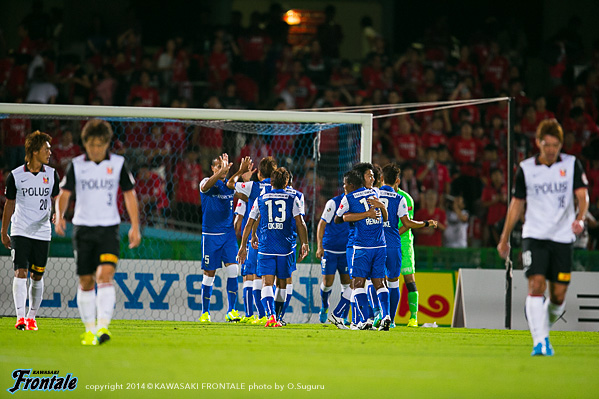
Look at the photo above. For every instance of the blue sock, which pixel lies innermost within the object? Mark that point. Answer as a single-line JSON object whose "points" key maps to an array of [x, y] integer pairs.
{"points": [[362, 305], [393, 301], [324, 296], [232, 286], [342, 308], [248, 301], [258, 302], [383, 295], [354, 312], [269, 305], [206, 295], [373, 301], [286, 303]]}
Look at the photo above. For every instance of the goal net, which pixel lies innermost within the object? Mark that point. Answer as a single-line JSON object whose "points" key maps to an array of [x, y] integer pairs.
{"points": [[169, 150]]}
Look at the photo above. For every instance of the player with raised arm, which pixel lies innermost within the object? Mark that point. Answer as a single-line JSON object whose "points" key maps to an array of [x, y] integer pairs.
{"points": [[276, 210], [363, 207], [94, 178], [399, 215], [549, 185], [29, 191], [332, 242], [219, 242], [248, 192]]}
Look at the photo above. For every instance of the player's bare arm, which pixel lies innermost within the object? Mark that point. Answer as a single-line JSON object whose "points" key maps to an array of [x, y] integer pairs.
{"points": [[376, 203], [220, 168], [242, 253], [302, 231], [133, 212], [319, 236], [245, 166], [62, 201], [582, 198], [373, 213], [416, 224], [9, 209], [514, 214]]}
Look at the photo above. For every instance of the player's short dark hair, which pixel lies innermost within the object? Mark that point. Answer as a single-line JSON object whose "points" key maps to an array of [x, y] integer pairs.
{"points": [[279, 178], [354, 178], [391, 172], [267, 166], [34, 142], [550, 127], [96, 128], [362, 167]]}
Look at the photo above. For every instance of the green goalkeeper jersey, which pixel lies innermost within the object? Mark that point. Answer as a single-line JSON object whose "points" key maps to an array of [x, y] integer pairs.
{"points": [[407, 238]]}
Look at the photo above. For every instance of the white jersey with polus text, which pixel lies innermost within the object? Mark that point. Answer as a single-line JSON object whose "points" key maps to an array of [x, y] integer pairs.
{"points": [[549, 195]]}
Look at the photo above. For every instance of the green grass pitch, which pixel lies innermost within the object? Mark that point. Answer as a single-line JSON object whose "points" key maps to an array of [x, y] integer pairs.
{"points": [[314, 360]]}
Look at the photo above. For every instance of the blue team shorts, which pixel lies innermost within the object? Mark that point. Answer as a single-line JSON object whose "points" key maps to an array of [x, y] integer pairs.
{"points": [[217, 249], [332, 262], [273, 265], [369, 263], [393, 263], [251, 263]]}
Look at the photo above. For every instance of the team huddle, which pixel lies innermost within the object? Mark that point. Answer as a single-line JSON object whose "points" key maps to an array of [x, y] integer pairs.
{"points": [[363, 235], [359, 236]]}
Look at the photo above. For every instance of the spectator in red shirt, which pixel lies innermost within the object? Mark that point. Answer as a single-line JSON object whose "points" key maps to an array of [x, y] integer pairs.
{"points": [[64, 152], [149, 95], [187, 188], [571, 146], [433, 175], [541, 110], [430, 237], [435, 135], [151, 191], [490, 162], [495, 70], [494, 199], [528, 123], [209, 139], [305, 91], [254, 45], [464, 150], [14, 131], [156, 148], [219, 66], [406, 145], [581, 123]]}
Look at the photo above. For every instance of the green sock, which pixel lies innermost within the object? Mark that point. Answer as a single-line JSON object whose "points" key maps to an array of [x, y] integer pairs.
{"points": [[413, 301]]}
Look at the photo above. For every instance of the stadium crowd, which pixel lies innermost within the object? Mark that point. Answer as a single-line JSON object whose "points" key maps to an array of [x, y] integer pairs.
{"points": [[453, 161]]}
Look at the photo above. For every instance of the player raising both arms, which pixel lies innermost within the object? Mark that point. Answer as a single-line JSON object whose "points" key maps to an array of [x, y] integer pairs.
{"points": [[276, 210], [30, 189], [399, 215], [219, 243], [95, 178], [548, 185]]}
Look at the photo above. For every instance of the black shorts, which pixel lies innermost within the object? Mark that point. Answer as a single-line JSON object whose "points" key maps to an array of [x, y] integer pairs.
{"points": [[548, 258], [29, 253], [94, 246]]}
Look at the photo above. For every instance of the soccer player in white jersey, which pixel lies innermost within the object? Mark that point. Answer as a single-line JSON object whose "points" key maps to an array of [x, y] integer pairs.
{"points": [[219, 243], [95, 178], [549, 186], [30, 189], [276, 210]]}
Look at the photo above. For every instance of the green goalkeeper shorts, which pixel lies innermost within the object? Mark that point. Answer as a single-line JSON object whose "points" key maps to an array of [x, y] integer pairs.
{"points": [[407, 260]]}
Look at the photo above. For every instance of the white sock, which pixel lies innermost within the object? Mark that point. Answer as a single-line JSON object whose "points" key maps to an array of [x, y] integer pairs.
{"points": [[257, 284], [19, 294], [105, 300], [347, 292], [324, 288], [86, 302], [554, 311], [538, 322], [36, 290], [289, 290], [280, 294]]}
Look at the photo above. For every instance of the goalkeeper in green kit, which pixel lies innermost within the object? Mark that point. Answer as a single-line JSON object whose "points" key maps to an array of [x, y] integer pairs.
{"points": [[408, 267]]}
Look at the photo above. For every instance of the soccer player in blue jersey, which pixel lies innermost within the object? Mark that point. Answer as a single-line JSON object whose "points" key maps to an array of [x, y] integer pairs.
{"points": [[397, 208], [332, 242], [368, 213], [219, 243], [252, 284], [276, 210]]}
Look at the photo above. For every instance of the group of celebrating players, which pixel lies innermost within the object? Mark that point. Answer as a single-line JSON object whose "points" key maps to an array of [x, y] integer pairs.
{"points": [[364, 235]]}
